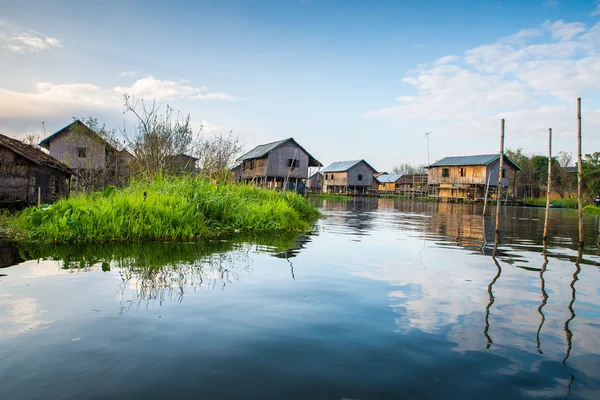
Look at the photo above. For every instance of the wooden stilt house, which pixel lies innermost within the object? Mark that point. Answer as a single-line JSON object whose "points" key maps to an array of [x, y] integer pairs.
{"points": [[27, 173], [351, 177], [282, 164], [468, 177]]}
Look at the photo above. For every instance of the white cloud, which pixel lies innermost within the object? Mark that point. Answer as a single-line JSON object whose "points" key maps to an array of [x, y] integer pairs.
{"points": [[596, 11], [125, 74], [551, 3], [215, 96], [15, 39], [532, 78]]}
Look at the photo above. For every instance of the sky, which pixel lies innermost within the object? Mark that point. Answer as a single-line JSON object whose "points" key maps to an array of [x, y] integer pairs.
{"points": [[347, 79]]}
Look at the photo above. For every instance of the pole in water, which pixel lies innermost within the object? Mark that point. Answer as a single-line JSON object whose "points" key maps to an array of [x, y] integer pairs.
{"points": [[579, 174], [500, 175], [549, 183]]}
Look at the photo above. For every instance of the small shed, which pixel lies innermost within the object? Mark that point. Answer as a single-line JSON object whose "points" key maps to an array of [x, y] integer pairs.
{"points": [[26, 170], [315, 182], [466, 177], [277, 164], [388, 182], [351, 177]]}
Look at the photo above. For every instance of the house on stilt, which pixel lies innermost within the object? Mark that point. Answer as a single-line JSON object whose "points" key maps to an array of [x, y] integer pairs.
{"points": [[349, 177], [276, 165]]}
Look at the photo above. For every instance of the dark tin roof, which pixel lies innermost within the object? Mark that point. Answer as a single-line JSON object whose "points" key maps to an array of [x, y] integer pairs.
{"points": [[46, 142], [389, 178], [34, 155], [481, 159], [341, 166], [264, 149]]}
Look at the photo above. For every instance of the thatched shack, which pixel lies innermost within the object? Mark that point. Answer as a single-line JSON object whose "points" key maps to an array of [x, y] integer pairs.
{"points": [[25, 171]]}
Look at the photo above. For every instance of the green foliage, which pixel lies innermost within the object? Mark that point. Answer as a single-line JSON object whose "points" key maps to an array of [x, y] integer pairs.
{"points": [[591, 210], [330, 196], [590, 168], [165, 208], [569, 202]]}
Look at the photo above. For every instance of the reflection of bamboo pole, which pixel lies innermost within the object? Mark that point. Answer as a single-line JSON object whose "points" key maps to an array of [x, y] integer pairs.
{"points": [[491, 295], [485, 196], [548, 189], [579, 173], [568, 333], [544, 300], [500, 176]]}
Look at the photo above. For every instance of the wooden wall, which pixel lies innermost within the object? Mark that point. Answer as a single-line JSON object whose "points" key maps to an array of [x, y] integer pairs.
{"points": [[278, 164], [474, 174], [254, 168], [367, 175], [64, 148], [20, 179], [336, 178]]}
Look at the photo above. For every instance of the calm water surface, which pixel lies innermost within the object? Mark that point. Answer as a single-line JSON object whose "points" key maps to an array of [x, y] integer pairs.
{"points": [[384, 300]]}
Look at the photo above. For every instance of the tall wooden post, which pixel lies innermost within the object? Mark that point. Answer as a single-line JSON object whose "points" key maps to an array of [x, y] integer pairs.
{"points": [[500, 176], [579, 173], [549, 183], [39, 197]]}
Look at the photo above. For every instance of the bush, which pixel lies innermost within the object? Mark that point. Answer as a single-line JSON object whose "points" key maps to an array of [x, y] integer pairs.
{"points": [[166, 208]]}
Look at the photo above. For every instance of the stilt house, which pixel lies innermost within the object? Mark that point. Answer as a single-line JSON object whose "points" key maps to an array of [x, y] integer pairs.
{"points": [[277, 164], [27, 172], [467, 177], [351, 177]]}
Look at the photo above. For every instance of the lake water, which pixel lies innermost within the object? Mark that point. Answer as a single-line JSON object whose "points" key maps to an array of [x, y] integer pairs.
{"points": [[386, 299]]}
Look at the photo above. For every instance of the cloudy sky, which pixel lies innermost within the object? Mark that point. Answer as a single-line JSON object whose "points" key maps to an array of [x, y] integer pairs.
{"points": [[347, 79]]}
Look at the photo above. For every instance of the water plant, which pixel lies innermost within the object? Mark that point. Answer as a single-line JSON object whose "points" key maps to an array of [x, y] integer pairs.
{"points": [[165, 208]]}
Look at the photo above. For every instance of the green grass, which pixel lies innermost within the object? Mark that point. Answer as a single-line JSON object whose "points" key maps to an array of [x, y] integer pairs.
{"points": [[329, 196], [391, 196], [164, 209], [591, 210], [568, 202]]}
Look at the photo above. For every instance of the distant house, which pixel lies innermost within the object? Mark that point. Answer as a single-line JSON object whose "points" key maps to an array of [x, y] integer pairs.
{"points": [[183, 163], [276, 164], [388, 182], [25, 171], [315, 182], [466, 177], [352, 177]]}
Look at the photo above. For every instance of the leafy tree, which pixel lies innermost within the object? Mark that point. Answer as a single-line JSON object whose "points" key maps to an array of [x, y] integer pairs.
{"points": [[590, 167]]}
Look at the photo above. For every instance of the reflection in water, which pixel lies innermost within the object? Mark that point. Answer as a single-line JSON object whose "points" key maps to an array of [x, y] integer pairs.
{"points": [[568, 332], [491, 295], [544, 300]]}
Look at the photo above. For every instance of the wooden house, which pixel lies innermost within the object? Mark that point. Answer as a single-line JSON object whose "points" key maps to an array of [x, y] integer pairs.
{"points": [[277, 164], [352, 177], [27, 172], [315, 182], [466, 177], [387, 183], [183, 163]]}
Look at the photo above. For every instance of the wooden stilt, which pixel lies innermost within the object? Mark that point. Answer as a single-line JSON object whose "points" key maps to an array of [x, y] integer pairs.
{"points": [[499, 194], [549, 186], [579, 173]]}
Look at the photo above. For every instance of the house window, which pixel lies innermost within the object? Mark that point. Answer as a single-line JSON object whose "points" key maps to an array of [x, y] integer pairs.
{"points": [[293, 163], [504, 172], [360, 177], [462, 173], [445, 172], [81, 152]]}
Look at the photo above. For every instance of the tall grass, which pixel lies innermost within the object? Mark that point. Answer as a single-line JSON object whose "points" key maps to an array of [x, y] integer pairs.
{"points": [[166, 208], [591, 210], [569, 202]]}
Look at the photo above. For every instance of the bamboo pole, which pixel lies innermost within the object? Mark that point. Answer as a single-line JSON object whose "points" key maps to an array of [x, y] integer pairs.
{"points": [[579, 173], [549, 183], [485, 196], [500, 175], [39, 196]]}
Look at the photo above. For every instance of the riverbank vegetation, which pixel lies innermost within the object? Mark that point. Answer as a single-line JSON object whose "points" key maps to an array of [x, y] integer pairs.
{"points": [[166, 208], [568, 202], [329, 196], [591, 210]]}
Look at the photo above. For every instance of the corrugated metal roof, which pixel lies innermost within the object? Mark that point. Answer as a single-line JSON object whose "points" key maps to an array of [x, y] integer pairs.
{"points": [[341, 166], [481, 159], [391, 178], [264, 149]]}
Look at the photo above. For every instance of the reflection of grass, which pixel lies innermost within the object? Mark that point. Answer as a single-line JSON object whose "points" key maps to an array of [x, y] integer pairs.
{"points": [[330, 196], [391, 196], [591, 210], [569, 202], [174, 208]]}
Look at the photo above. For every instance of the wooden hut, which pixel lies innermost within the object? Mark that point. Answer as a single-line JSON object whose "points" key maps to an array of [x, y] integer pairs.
{"points": [[315, 182], [388, 183], [350, 177], [277, 164], [467, 177], [27, 172]]}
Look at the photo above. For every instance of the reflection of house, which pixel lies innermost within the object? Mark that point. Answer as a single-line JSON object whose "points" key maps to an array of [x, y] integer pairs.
{"points": [[25, 171], [466, 177], [275, 164], [351, 177]]}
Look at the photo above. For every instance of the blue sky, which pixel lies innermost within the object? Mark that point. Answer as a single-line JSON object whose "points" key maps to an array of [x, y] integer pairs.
{"points": [[347, 79]]}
